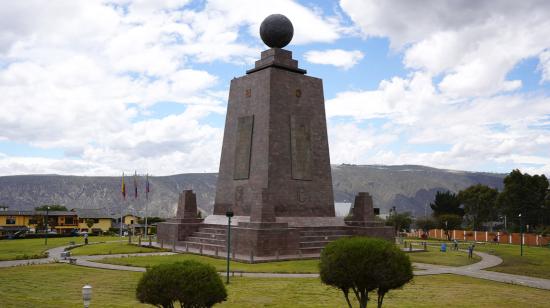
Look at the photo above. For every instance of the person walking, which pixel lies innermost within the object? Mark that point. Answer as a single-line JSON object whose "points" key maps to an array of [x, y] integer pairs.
{"points": [[470, 251], [455, 247], [85, 238]]}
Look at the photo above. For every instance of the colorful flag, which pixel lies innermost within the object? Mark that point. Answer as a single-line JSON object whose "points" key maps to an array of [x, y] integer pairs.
{"points": [[123, 187], [135, 185], [147, 187]]}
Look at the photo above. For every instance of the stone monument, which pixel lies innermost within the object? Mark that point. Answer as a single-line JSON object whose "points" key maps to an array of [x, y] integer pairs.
{"points": [[186, 221], [275, 173]]}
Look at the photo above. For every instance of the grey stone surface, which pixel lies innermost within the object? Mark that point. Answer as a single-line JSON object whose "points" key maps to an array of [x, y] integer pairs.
{"points": [[274, 96], [187, 205], [243, 146], [278, 58], [185, 223], [361, 212], [276, 31]]}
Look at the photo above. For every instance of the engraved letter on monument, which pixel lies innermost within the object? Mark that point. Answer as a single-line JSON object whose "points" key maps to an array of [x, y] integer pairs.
{"points": [[300, 138], [243, 146]]}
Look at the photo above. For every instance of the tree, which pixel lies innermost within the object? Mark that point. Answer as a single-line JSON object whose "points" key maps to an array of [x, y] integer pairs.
{"points": [[446, 203], [396, 272], [449, 222], [362, 265], [53, 207], [400, 221], [190, 283], [89, 222], [426, 224], [525, 194], [151, 220], [480, 204]]}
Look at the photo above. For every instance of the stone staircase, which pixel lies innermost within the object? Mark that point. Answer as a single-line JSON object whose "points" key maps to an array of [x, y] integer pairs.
{"points": [[209, 237], [313, 240]]}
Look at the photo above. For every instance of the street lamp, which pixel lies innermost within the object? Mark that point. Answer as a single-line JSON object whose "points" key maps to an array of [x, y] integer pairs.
{"points": [[229, 214], [521, 233], [87, 295], [47, 218]]}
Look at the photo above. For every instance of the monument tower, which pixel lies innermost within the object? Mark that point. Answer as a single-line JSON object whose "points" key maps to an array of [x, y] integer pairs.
{"points": [[275, 158], [275, 173]]}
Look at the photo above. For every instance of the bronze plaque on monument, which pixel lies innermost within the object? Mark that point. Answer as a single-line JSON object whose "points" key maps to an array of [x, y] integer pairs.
{"points": [[243, 146], [300, 144]]}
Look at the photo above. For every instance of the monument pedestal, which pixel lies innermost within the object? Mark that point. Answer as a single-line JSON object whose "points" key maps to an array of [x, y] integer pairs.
{"points": [[265, 239], [186, 221]]}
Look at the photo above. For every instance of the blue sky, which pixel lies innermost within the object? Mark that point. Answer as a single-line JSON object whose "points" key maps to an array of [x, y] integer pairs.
{"points": [[102, 87]]}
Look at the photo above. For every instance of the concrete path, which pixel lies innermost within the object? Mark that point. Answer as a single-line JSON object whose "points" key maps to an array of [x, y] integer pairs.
{"points": [[54, 255], [476, 270]]}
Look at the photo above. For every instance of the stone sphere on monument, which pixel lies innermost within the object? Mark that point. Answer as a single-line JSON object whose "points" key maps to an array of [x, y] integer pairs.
{"points": [[276, 31]]}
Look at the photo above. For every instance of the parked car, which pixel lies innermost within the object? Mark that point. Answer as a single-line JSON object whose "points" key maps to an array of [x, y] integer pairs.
{"points": [[16, 235]]}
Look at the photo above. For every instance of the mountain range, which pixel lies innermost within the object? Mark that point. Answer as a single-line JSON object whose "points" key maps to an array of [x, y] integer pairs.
{"points": [[407, 187]]}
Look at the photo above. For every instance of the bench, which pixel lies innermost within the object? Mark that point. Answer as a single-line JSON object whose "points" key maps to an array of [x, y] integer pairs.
{"points": [[238, 272], [72, 260]]}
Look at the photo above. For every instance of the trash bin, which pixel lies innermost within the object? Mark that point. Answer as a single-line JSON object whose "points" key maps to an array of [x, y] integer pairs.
{"points": [[443, 247]]}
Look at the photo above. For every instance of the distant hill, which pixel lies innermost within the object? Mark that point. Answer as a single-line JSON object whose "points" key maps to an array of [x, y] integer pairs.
{"points": [[407, 187]]}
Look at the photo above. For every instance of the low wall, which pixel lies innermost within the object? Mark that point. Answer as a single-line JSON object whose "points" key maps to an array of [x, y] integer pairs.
{"points": [[529, 239]]}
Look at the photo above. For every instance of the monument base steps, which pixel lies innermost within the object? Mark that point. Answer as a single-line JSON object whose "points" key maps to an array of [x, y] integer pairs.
{"points": [[262, 242]]}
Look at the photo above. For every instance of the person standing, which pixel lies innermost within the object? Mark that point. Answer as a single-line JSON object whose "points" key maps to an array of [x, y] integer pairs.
{"points": [[470, 251], [85, 238]]}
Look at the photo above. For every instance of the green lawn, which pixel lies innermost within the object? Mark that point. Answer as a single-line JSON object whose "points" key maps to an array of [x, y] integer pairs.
{"points": [[32, 286], [534, 262], [111, 248], [449, 258], [300, 266], [34, 248]]}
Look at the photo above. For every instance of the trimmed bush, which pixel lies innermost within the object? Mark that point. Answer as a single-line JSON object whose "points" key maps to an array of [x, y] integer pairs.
{"points": [[362, 265], [191, 283]]}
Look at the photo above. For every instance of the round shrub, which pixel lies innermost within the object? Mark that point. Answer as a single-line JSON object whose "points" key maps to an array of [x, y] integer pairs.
{"points": [[362, 265], [191, 283]]}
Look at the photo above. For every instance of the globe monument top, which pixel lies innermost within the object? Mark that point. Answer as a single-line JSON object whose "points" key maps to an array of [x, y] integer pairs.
{"points": [[276, 31]]}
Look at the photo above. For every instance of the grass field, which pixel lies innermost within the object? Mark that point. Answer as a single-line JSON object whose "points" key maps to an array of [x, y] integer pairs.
{"points": [[300, 266], [534, 262], [450, 258], [34, 248], [33, 286], [111, 248]]}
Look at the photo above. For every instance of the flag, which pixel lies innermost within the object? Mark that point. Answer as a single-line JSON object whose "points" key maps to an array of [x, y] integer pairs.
{"points": [[147, 188], [123, 187], [135, 185]]}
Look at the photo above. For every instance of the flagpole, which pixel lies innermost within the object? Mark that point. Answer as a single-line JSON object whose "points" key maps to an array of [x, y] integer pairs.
{"points": [[121, 204], [146, 200]]}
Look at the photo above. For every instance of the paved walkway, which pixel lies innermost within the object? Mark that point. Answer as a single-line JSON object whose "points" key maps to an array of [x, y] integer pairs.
{"points": [[475, 270], [54, 255]]}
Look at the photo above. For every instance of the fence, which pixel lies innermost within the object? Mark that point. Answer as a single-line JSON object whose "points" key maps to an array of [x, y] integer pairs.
{"points": [[530, 239]]}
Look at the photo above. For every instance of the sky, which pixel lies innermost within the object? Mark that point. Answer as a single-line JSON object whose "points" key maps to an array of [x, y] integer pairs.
{"points": [[105, 87]]}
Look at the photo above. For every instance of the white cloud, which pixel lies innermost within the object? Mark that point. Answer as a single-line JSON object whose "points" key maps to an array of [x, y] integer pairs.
{"points": [[544, 65], [338, 57], [473, 44], [478, 132], [80, 75]]}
